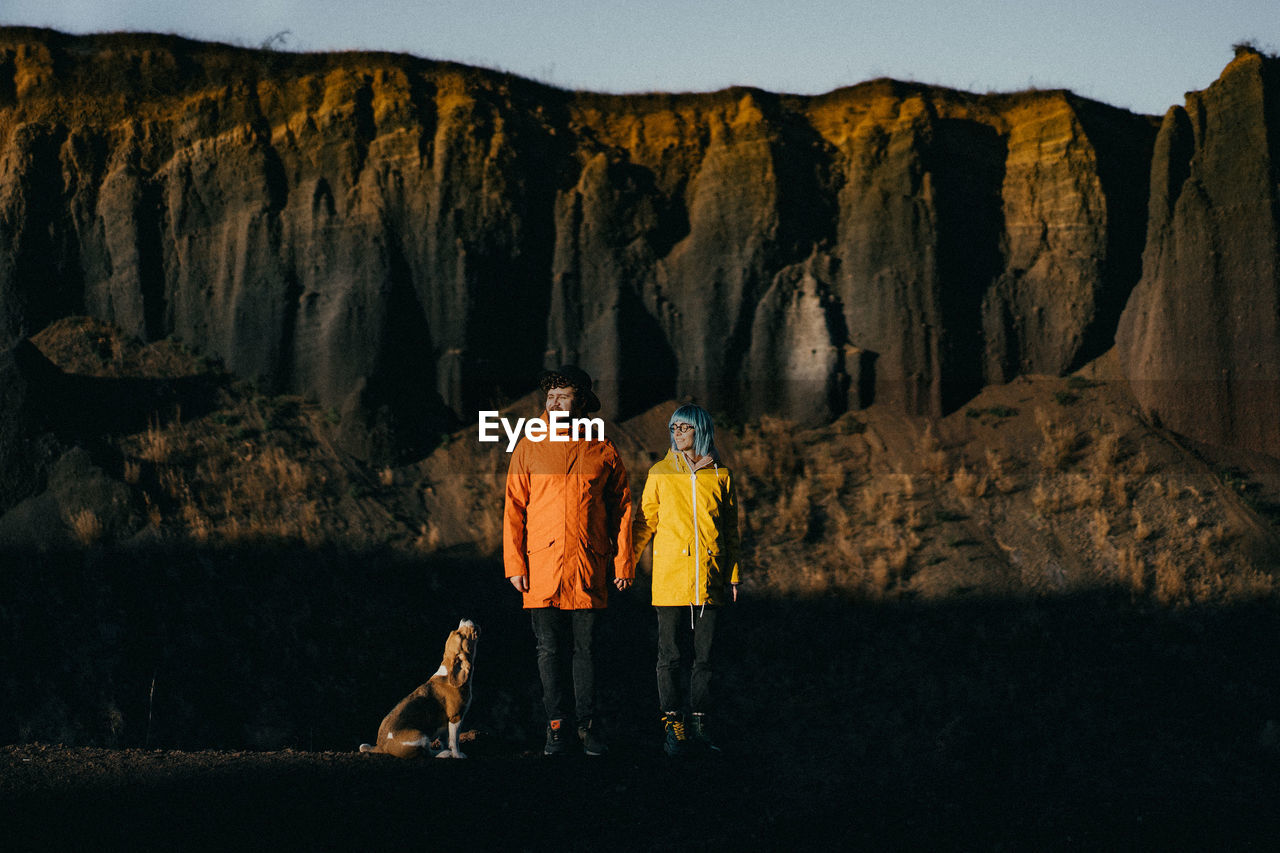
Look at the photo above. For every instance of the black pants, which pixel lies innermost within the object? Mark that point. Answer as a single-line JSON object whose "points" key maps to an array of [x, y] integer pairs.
{"points": [[554, 628], [671, 622]]}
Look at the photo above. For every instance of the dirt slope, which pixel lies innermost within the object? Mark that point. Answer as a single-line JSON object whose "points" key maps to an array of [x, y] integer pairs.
{"points": [[1039, 622]]}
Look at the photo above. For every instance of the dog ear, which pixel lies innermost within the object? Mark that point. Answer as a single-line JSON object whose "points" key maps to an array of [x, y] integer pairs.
{"points": [[460, 669]]}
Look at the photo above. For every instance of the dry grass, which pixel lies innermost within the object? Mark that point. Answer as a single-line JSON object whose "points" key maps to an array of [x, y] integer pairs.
{"points": [[858, 538], [1212, 539], [795, 518], [842, 533], [890, 510], [1247, 582], [826, 511], [768, 457], [997, 471], [231, 478], [880, 575], [1106, 451], [174, 484], [265, 494], [428, 538], [86, 526], [1058, 441], [1046, 498], [1170, 577], [968, 484], [1141, 531], [907, 486], [156, 445], [1083, 492], [829, 479], [932, 457], [1132, 570], [1120, 489], [154, 517], [899, 554], [198, 527], [869, 502], [274, 472], [1100, 528]]}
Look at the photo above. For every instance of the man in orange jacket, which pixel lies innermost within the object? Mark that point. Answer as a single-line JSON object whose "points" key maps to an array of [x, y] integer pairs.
{"points": [[566, 537]]}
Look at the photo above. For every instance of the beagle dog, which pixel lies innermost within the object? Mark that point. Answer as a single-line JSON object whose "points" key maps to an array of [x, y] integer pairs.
{"points": [[411, 727]]}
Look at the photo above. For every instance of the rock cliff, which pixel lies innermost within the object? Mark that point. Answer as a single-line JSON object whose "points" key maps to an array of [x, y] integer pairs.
{"points": [[1200, 338], [407, 240]]}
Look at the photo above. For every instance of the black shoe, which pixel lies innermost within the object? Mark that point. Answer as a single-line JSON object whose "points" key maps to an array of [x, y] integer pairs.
{"points": [[592, 742], [702, 737], [676, 744], [557, 742]]}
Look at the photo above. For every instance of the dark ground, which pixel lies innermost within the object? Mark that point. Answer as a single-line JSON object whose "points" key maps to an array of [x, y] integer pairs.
{"points": [[91, 798], [1082, 722]]}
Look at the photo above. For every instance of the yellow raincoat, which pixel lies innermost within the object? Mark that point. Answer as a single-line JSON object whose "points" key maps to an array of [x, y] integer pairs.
{"points": [[692, 517]]}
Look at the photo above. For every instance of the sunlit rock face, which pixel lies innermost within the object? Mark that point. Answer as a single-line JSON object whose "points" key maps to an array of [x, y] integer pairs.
{"points": [[887, 242], [1200, 337], [407, 241]]}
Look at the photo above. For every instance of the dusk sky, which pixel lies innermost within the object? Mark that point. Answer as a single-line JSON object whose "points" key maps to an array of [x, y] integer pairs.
{"points": [[1138, 54]]}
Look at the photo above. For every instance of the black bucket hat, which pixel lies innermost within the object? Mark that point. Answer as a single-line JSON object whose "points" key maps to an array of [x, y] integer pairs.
{"points": [[571, 376]]}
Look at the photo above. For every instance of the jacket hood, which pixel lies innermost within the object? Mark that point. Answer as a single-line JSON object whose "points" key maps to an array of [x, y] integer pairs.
{"points": [[711, 460]]}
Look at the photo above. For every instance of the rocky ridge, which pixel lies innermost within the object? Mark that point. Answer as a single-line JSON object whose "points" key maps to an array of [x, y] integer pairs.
{"points": [[407, 240], [1201, 336]]}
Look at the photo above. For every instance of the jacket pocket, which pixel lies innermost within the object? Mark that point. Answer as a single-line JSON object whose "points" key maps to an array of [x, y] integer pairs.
{"points": [[715, 576], [532, 548], [540, 557], [669, 547]]}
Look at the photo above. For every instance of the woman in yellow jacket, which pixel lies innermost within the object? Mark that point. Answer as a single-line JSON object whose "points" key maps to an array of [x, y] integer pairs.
{"points": [[690, 512]]}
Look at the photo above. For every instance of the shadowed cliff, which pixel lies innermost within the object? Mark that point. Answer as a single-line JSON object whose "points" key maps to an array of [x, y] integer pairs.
{"points": [[1201, 337], [407, 240]]}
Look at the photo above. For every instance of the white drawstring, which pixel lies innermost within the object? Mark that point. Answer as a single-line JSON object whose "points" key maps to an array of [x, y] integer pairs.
{"points": [[703, 610]]}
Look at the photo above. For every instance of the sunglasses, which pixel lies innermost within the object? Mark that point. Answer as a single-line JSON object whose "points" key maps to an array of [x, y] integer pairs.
{"points": [[681, 429]]}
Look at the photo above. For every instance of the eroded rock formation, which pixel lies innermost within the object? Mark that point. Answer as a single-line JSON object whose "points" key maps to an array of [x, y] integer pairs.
{"points": [[1200, 338], [407, 240]]}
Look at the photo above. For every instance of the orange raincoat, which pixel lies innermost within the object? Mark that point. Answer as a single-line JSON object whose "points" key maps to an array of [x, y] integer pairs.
{"points": [[567, 523]]}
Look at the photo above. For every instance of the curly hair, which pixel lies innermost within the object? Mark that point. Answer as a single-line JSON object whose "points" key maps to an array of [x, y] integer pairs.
{"points": [[557, 380]]}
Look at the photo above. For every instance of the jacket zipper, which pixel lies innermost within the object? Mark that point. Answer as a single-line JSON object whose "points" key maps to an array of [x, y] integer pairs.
{"points": [[697, 553], [571, 494]]}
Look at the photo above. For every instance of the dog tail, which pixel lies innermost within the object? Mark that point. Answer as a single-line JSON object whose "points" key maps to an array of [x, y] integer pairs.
{"points": [[368, 747]]}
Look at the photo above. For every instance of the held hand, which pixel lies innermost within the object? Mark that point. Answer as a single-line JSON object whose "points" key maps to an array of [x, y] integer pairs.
{"points": [[520, 582], [622, 583]]}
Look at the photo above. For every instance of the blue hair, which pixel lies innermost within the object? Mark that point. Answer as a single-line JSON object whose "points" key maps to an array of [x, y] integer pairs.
{"points": [[704, 431]]}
